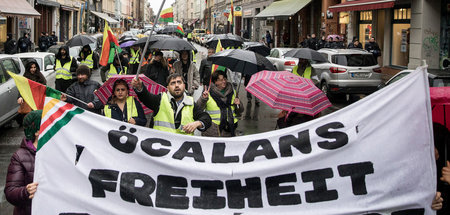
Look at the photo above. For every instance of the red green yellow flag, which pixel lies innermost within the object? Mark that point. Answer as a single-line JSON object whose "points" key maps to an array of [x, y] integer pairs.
{"points": [[230, 16], [33, 92], [166, 15], [215, 67], [180, 29], [109, 46]]}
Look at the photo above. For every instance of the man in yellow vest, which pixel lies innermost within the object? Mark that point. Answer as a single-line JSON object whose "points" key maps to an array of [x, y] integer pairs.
{"points": [[173, 111], [88, 58], [134, 59], [305, 70], [118, 67], [65, 67]]}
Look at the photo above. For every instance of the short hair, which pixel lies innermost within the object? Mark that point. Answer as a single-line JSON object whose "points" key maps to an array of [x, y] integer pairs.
{"points": [[216, 75], [175, 75]]}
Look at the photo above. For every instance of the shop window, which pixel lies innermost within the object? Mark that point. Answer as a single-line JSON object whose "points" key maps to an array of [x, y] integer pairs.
{"points": [[400, 37], [365, 26]]}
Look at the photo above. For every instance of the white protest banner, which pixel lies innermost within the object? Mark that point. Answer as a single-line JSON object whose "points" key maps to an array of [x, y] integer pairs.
{"points": [[375, 156]]}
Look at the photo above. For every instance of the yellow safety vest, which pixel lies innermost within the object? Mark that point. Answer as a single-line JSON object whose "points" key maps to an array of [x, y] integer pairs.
{"points": [[113, 71], [131, 109], [88, 61], [306, 74], [63, 72], [134, 56], [214, 111], [194, 58], [165, 119], [189, 36]]}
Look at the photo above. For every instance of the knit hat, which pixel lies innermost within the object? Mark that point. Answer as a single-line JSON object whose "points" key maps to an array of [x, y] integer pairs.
{"points": [[84, 70], [32, 124], [158, 53]]}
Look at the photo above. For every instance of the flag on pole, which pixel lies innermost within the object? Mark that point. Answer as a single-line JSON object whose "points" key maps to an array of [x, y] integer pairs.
{"points": [[180, 29], [219, 48], [33, 92], [166, 15], [109, 46], [230, 16]]}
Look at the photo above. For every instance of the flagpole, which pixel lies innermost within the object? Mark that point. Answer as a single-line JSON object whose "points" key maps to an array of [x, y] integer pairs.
{"points": [[120, 63], [148, 39], [75, 98]]}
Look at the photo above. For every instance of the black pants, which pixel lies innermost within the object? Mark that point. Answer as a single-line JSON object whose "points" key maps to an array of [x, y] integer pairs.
{"points": [[62, 85]]}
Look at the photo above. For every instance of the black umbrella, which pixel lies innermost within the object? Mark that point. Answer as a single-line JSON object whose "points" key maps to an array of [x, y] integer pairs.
{"points": [[243, 61], [174, 43], [257, 47], [306, 53], [80, 40], [227, 40], [153, 39]]}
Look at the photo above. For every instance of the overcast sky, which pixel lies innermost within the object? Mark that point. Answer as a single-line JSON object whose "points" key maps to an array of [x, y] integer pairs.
{"points": [[155, 4]]}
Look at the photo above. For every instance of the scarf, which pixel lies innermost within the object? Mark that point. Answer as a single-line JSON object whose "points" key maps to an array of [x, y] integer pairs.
{"points": [[226, 113]]}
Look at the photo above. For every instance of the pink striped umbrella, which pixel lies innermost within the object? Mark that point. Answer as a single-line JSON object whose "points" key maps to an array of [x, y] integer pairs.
{"points": [[105, 91], [286, 91]]}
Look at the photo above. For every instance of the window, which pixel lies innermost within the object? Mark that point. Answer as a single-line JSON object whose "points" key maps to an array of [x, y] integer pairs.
{"points": [[365, 15], [354, 60], [3, 76], [10, 66], [400, 37], [274, 53], [365, 26], [47, 61]]}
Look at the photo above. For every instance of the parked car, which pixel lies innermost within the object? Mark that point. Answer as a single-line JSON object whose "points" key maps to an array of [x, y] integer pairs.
{"points": [[8, 90], [280, 62], [436, 78], [46, 62], [196, 33], [348, 71]]}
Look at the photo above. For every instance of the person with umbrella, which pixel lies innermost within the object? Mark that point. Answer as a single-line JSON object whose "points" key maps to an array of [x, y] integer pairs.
{"points": [[84, 90], [134, 59], [222, 105], [65, 67], [188, 70], [205, 68], [123, 107], [88, 57], [157, 69], [305, 70], [175, 111]]}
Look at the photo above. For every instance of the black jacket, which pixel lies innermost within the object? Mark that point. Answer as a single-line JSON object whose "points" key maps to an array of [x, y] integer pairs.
{"points": [[83, 56], [24, 44], [157, 72], [85, 92], [10, 45], [205, 71], [321, 44], [312, 43], [373, 48], [43, 43], [352, 46], [153, 101]]}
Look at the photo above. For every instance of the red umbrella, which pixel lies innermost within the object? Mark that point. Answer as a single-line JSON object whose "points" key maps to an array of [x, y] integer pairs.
{"points": [[440, 101], [286, 91], [105, 91]]}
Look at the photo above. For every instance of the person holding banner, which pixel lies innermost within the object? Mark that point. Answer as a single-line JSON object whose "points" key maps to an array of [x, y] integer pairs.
{"points": [[188, 70], [20, 188], [222, 105], [123, 107], [175, 111]]}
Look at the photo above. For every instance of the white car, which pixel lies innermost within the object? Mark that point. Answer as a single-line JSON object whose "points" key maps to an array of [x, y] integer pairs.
{"points": [[8, 89], [46, 62], [280, 62]]}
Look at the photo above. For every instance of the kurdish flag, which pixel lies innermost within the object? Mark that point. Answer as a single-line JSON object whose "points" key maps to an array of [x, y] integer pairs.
{"points": [[109, 46], [166, 15], [230, 16], [33, 92], [215, 67], [180, 29], [55, 115]]}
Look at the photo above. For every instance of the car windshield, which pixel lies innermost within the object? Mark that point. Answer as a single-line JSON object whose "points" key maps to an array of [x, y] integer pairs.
{"points": [[440, 82], [26, 60], [354, 60], [74, 51], [201, 31]]}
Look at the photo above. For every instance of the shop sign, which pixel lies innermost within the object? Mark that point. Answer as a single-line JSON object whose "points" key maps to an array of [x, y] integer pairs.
{"points": [[248, 12], [344, 18], [237, 11]]}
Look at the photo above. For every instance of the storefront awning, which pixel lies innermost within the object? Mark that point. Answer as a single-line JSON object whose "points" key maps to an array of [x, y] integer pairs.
{"points": [[105, 17], [282, 9], [359, 5], [48, 3], [18, 8]]}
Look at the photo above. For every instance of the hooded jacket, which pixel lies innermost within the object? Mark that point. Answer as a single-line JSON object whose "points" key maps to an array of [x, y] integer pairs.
{"points": [[73, 66], [10, 45], [84, 54], [20, 173]]}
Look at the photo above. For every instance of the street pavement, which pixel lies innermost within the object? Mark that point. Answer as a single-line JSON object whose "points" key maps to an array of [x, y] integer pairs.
{"points": [[255, 119]]}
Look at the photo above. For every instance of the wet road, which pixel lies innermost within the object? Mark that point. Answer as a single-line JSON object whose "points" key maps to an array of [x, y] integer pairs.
{"points": [[255, 119]]}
